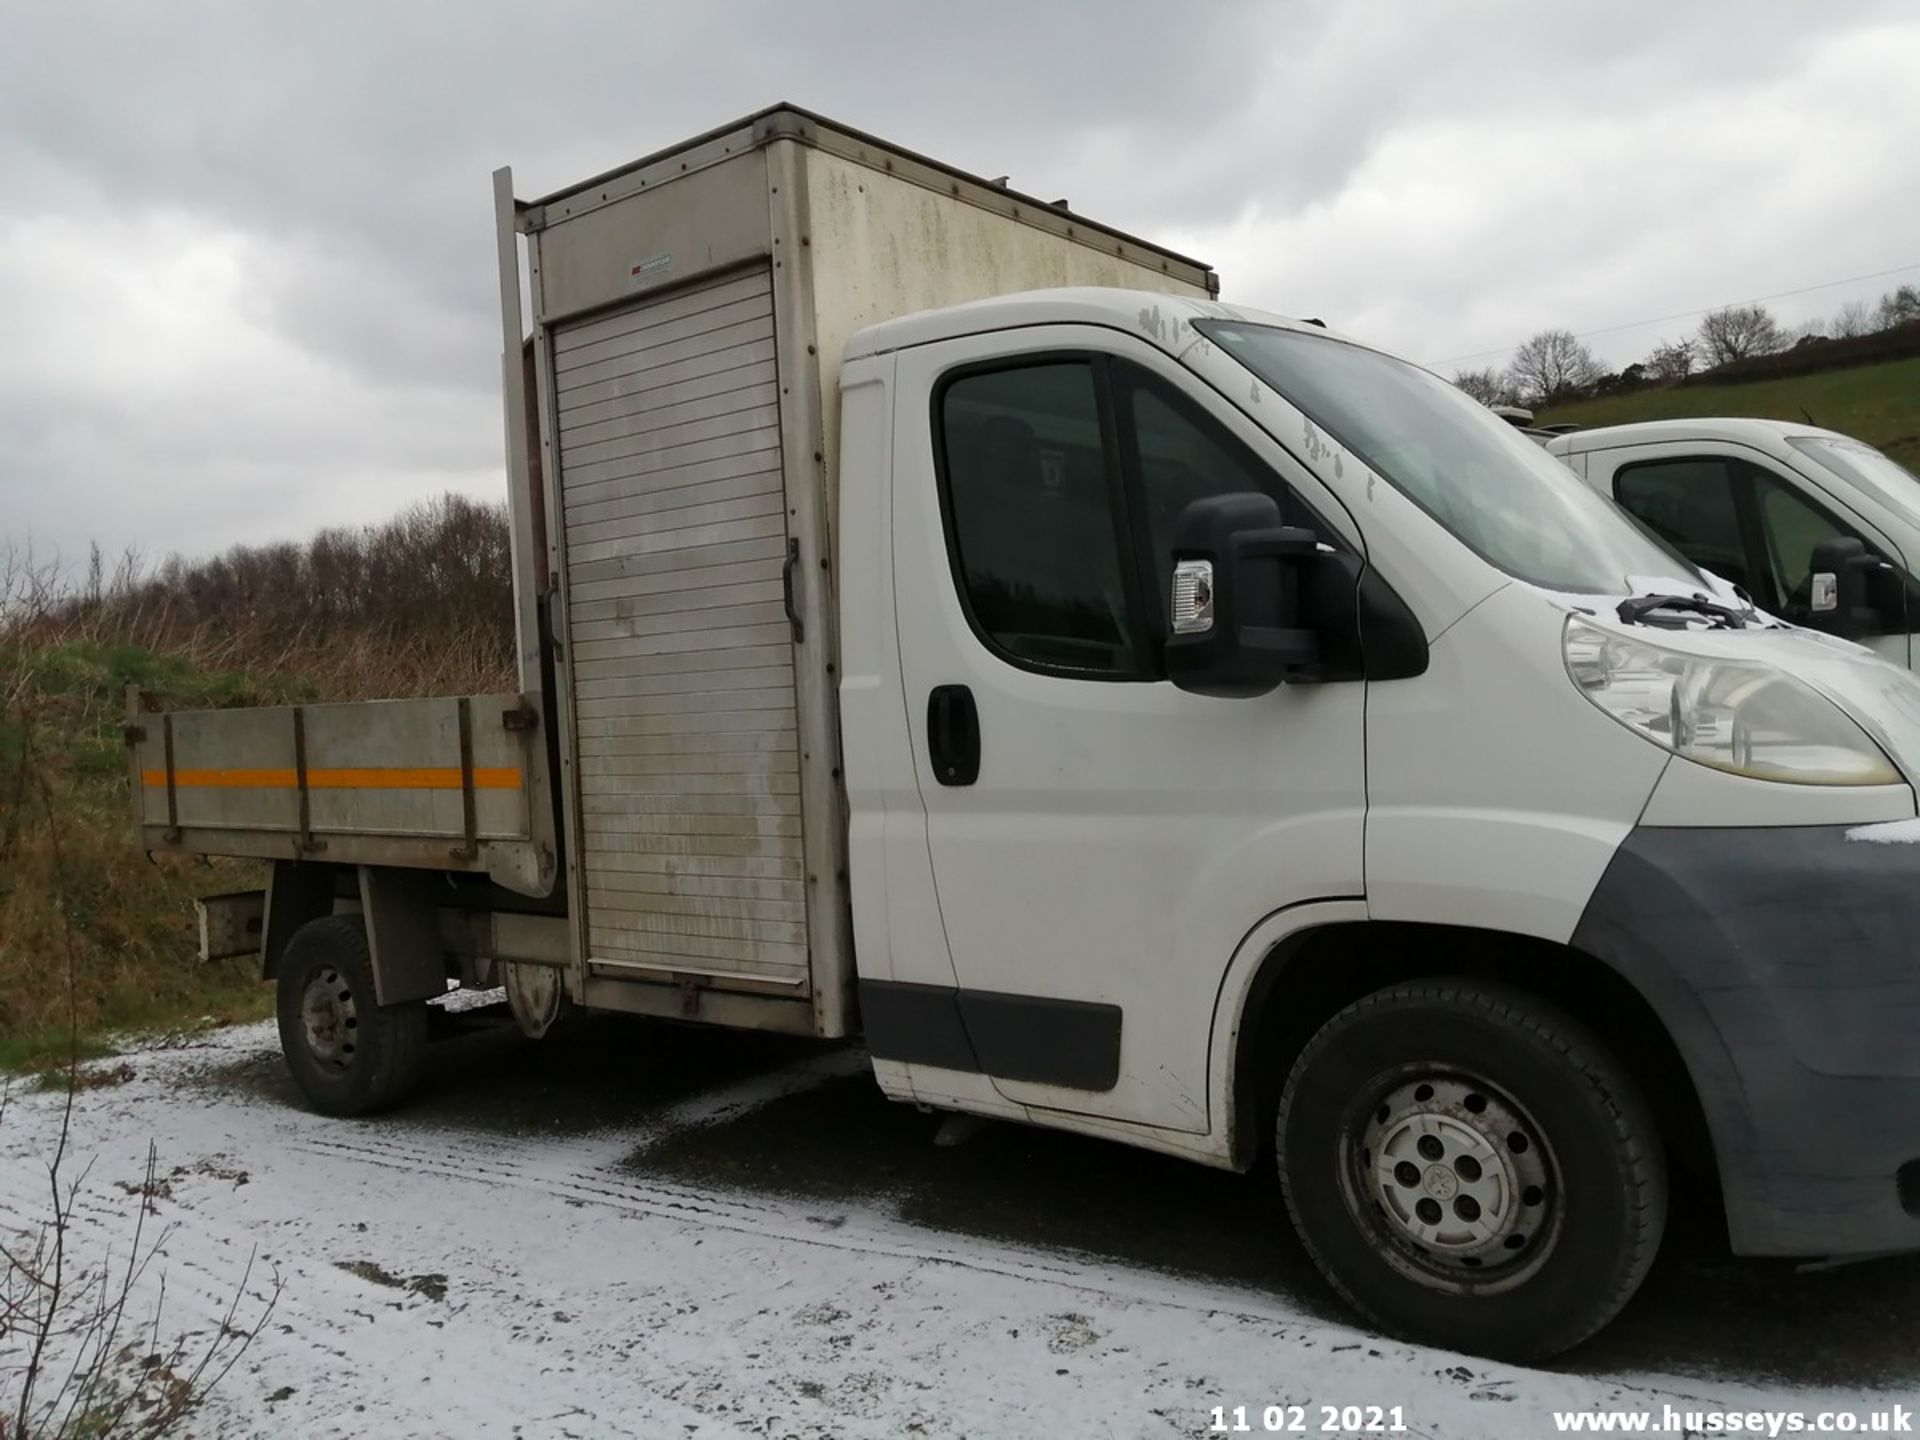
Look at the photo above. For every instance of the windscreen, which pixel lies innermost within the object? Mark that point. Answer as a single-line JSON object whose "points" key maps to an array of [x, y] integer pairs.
{"points": [[1865, 466], [1499, 493]]}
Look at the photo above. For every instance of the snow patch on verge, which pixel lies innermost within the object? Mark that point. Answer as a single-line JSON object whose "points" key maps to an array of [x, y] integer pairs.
{"points": [[1887, 832]]}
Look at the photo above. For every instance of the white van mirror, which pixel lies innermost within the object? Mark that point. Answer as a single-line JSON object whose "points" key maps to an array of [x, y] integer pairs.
{"points": [[1237, 621], [1837, 589]]}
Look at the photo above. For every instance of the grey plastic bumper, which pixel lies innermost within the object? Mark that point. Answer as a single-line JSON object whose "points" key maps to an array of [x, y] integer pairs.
{"points": [[1786, 964]]}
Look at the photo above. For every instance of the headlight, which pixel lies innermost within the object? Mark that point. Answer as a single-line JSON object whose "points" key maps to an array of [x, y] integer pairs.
{"points": [[1736, 715]]}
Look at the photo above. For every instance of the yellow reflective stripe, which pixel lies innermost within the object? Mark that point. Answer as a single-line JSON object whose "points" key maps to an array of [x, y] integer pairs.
{"points": [[371, 777]]}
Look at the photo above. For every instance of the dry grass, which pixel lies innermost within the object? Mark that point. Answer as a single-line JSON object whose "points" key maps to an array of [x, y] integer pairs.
{"points": [[67, 656]]}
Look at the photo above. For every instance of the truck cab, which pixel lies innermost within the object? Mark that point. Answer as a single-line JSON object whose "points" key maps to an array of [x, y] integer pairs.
{"points": [[1250, 739], [1754, 500]]}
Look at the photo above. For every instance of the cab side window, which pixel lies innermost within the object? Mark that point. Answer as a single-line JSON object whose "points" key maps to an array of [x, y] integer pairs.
{"points": [[1062, 479], [1033, 519], [1691, 505], [1741, 522], [1790, 529], [1181, 455]]}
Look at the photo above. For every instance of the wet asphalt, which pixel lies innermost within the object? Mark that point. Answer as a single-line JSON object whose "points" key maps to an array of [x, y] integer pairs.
{"points": [[1702, 1313]]}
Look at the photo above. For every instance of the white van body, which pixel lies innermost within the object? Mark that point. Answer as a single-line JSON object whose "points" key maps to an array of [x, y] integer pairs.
{"points": [[1487, 793]]}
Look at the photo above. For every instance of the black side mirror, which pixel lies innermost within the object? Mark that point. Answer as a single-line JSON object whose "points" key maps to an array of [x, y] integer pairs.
{"points": [[1238, 627], [1837, 600]]}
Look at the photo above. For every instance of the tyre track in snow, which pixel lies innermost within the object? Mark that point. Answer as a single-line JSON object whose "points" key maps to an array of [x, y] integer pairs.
{"points": [[795, 1223], [449, 1156]]}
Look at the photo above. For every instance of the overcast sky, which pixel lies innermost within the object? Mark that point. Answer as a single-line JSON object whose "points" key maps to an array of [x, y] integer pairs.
{"points": [[246, 264]]}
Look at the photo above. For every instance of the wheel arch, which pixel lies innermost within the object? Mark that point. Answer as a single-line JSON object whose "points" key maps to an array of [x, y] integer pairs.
{"points": [[398, 908], [299, 891], [1307, 976]]}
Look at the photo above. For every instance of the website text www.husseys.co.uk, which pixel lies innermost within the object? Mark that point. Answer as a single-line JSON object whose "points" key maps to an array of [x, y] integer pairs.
{"points": [[1671, 1420]]}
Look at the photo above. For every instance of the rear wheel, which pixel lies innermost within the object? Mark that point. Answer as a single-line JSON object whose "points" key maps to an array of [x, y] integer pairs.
{"points": [[348, 1054], [1471, 1168]]}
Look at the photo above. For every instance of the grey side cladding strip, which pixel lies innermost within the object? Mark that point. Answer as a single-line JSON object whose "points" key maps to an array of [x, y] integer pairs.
{"points": [[1034, 1038], [916, 1024]]}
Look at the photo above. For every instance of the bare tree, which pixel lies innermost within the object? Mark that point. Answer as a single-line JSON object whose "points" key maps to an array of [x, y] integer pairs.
{"points": [[1897, 307], [1672, 360], [1855, 318], [1551, 367], [1740, 331], [1488, 386]]}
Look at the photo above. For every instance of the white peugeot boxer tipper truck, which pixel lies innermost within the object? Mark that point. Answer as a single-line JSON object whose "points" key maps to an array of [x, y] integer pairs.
{"points": [[1125, 713]]}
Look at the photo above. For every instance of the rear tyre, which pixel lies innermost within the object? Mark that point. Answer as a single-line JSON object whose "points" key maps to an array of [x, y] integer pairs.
{"points": [[348, 1054], [1471, 1168]]}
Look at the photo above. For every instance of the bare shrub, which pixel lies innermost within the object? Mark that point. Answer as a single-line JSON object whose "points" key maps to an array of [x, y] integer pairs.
{"points": [[1673, 360], [420, 605], [73, 1339], [88, 1357], [1854, 319], [1897, 307], [1488, 386]]}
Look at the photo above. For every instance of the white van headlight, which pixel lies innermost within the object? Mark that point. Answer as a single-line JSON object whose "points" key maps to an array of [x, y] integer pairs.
{"points": [[1737, 715]]}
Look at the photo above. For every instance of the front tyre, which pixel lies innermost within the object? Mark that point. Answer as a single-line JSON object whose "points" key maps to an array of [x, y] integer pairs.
{"points": [[348, 1054], [1471, 1168]]}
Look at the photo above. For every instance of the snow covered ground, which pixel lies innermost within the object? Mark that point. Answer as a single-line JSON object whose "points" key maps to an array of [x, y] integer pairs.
{"points": [[654, 1231]]}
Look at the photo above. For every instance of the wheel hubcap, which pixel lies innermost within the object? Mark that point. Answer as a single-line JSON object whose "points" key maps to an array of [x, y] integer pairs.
{"points": [[1456, 1178], [328, 1017]]}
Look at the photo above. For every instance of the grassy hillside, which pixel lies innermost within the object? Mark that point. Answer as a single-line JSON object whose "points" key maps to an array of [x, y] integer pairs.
{"points": [[1877, 403], [95, 938]]}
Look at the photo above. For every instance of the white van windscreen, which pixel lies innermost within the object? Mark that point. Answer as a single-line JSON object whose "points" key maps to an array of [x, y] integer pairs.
{"points": [[1499, 494], [1873, 472]]}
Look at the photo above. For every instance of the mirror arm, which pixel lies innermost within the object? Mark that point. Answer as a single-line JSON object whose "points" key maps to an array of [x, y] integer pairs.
{"points": [[1281, 544], [1297, 649]]}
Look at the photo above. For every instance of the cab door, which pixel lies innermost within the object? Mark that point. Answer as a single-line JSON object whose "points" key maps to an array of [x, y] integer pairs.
{"points": [[1740, 514], [1100, 841]]}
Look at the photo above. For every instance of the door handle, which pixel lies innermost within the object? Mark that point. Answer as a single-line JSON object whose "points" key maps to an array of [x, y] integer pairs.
{"points": [[786, 586], [953, 735]]}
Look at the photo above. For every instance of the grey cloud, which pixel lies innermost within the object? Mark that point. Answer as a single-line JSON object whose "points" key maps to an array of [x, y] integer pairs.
{"points": [[342, 152]]}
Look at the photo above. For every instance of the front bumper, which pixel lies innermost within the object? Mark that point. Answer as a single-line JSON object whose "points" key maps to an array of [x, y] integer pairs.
{"points": [[1785, 963]]}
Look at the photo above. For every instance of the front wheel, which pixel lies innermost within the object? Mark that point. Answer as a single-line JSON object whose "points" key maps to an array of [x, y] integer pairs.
{"points": [[348, 1054], [1470, 1167]]}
